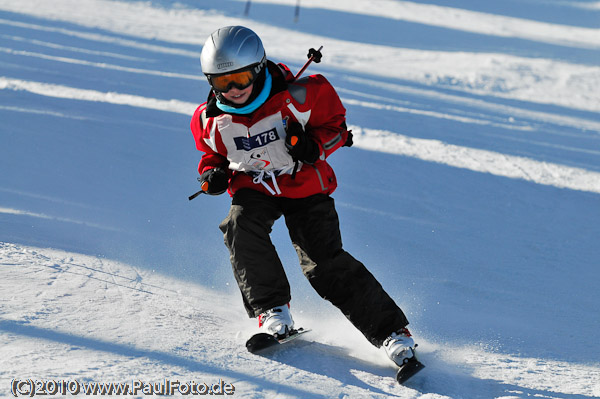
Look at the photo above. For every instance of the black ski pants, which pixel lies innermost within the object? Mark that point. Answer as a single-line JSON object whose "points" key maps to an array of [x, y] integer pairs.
{"points": [[313, 227]]}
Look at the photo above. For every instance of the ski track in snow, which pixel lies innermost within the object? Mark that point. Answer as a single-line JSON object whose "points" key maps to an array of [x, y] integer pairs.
{"points": [[44, 322]]}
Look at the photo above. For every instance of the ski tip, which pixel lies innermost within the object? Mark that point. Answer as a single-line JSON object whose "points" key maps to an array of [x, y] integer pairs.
{"points": [[261, 341], [409, 369]]}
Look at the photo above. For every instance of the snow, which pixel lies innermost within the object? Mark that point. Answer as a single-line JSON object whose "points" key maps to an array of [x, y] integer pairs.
{"points": [[472, 193]]}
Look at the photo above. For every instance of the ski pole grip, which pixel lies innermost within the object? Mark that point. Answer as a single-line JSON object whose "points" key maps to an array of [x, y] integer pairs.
{"points": [[204, 190], [313, 55]]}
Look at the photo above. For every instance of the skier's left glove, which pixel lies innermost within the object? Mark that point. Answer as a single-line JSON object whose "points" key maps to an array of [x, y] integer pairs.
{"points": [[299, 145], [214, 181]]}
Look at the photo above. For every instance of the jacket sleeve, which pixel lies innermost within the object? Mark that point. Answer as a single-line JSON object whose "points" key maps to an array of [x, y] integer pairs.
{"points": [[206, 139], [327, 122]]}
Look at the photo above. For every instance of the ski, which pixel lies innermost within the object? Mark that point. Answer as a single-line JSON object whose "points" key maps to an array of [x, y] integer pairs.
{"points": [[262, 341], [410, 367]]}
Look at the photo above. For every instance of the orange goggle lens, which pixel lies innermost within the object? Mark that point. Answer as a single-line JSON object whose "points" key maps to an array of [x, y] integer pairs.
{"points": [[224, 83]]}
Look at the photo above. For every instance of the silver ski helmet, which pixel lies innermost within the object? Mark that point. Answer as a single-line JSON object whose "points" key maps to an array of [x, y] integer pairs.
{"points": [[232, 56]]}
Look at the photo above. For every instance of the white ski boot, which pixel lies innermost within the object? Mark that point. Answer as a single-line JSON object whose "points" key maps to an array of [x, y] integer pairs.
{"points": [[399, 347], [277, 321]]}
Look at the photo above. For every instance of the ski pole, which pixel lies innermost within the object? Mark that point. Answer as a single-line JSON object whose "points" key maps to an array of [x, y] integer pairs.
{"points": [[204, 187], [313, 55], [191, 197]]}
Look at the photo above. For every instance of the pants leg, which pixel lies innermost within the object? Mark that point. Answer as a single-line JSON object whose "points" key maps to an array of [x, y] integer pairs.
{"points": [[336, 275], [256, 265]]}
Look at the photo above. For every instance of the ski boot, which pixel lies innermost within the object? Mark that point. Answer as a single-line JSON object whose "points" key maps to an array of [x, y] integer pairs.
{"points": [[400, 348], [277, 321]]}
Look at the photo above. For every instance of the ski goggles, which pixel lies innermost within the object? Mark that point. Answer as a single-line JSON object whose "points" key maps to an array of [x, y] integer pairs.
{"points": [[240, 79]]}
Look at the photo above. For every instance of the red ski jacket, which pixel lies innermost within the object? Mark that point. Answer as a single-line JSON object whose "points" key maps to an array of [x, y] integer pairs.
{"points": [[252, 146]]}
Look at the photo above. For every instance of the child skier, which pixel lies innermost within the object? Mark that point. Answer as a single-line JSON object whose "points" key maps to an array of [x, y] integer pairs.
{"points": [[266, 138]]}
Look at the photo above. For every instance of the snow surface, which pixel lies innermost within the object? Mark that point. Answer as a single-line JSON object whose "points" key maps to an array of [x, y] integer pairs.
{"points": [[472, 193]]}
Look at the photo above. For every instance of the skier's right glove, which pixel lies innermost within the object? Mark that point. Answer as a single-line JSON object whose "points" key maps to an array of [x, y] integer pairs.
{"points": [[214, 181]]}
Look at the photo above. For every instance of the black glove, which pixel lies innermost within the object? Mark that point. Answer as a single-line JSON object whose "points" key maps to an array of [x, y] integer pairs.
{"points": [[299, 145], [214, 181], [349, 140]]}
